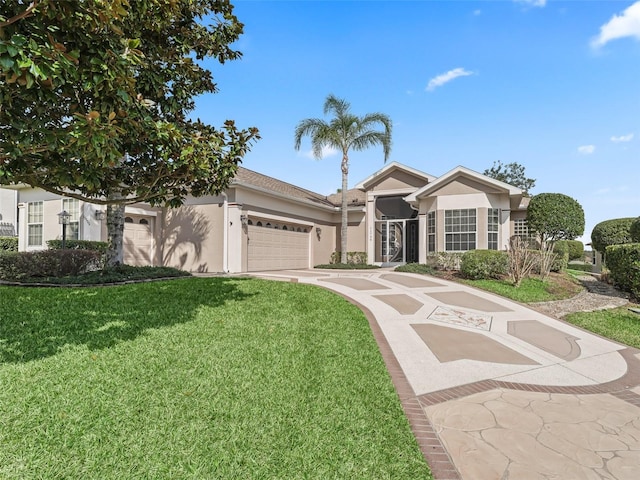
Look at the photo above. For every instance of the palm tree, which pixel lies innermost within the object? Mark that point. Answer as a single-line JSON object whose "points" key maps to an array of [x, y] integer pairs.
{"points": [[345, 131]]}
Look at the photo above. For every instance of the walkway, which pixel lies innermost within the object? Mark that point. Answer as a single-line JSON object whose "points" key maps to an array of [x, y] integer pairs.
{"points": [[493, 389]]}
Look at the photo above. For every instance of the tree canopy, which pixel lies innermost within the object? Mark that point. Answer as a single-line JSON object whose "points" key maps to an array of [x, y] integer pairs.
{"points": [[95, 97], [511, 173], [344, 132], [555, 216]]}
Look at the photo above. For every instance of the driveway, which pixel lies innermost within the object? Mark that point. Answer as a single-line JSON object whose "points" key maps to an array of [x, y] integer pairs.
{"points": [[493, 389]]}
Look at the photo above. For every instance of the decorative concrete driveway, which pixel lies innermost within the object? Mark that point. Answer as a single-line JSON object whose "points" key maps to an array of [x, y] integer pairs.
{"points": [[493, 389]]}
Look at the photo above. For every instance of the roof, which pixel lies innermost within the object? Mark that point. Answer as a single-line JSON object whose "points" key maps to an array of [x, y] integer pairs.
{"points": [[249, 178], [364, 184], [461, 171], [355, 197]]}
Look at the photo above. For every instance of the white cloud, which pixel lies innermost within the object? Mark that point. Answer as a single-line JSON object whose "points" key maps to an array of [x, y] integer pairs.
{"points": [[441, 79], [477, 12], [622, 138], [533, 3], [586, 149], [625, 25], [326, 152]]}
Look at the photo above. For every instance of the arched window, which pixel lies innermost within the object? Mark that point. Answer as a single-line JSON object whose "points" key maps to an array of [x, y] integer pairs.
{"points": [[249, 222], [128, 220], [143, 221], [268, 225], [299, 229], [259, 224]]}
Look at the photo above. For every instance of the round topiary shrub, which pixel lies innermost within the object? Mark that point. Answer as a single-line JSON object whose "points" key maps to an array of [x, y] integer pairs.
{"points": [[484, 264], [635, 230], [611, 232]]}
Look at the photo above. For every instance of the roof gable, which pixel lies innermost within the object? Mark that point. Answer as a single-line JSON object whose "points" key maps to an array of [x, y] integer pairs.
{"points": [[471, 179], [399, 174]]}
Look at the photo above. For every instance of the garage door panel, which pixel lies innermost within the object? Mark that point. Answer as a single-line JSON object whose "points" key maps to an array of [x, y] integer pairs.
{"points": [[138, 244], [271, 249]]}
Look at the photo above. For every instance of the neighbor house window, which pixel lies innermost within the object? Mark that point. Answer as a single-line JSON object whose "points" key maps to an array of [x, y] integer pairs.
{"points": [[34, 224], [72, 206], [431, 232], [493, 220], [460, 229]]}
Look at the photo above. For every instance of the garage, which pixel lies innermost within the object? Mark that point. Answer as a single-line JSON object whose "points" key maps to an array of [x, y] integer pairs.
{"points": [[138, 240], [275, 246]]}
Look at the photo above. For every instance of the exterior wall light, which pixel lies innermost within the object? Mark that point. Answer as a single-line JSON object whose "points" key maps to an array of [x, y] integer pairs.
{"points": [[63, 219], [100, 215], [244, 220]]}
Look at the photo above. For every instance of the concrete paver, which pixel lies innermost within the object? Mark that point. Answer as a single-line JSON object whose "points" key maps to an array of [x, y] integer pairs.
{"points": [[493, 389]]}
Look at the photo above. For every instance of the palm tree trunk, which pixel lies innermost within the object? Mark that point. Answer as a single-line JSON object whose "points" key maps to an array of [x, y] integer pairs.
{"points": [[344, 224]]}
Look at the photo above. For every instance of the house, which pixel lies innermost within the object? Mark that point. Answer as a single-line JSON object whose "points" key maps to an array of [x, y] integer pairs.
{"points": [[397, 215]]}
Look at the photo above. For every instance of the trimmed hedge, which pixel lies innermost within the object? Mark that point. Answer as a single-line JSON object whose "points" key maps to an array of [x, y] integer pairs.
{"points": [[78, 245], [16, 266], [611, 232], [635, 230], [575, 248], [8, 244], [623, 262], [353, 258], [583, 267], [484, 264]]}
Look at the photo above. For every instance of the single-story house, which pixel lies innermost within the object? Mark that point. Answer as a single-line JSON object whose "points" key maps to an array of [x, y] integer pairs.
{"points": [[397, 215]]}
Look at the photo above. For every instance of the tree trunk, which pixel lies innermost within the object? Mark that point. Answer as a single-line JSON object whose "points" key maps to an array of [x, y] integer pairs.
{"points": [[115, 233], [344, 224]]}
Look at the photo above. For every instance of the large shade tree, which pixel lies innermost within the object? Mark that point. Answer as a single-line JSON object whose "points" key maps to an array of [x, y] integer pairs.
{"points": [[344, 132], [95, 97]]}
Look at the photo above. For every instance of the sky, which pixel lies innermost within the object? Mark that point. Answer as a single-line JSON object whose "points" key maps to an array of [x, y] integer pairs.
{"points": [[551, 85]]}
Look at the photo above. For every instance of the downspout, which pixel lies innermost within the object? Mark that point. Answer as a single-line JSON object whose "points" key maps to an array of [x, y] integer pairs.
{"points": [[225, 235]]}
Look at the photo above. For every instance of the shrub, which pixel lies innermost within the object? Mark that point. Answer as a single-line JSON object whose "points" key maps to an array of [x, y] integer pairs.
{"points": [[353, 258], [420, 268], [575, 248], [521, 260], [582, 266], [634, 230], [611, 232], [47, 263], [555, 216], [8, 244], [445, 260], [624, 266], [347, 266], [484, 264], [78, 245], [561, 256]]}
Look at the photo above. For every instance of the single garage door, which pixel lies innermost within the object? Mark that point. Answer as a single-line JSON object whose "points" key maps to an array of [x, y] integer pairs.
{"points": [[138, 240], [276, 249]]}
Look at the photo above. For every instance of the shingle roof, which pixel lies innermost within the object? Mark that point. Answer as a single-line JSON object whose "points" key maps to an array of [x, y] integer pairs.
{"points": [[244, 176], [355, 197]]}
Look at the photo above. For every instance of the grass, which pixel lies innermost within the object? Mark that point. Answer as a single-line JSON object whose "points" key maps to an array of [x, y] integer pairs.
{"points": [[531, 290], [196, 378], [618, 324]]}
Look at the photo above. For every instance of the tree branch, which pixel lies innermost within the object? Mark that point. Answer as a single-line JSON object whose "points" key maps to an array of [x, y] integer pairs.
{"points": [[22, 15]]}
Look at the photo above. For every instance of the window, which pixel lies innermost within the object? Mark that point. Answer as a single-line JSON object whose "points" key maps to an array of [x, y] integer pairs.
{"points": [[431, 232], [143, 221], [72, 206], [460, 229], [34, 224], [521, 229], [128, 220], [493, 221]]}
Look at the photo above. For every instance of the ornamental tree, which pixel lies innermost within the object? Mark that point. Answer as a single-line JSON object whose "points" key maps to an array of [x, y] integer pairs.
{"points": [[511, 173], [95, 97], [554, 216], [616, 231]]}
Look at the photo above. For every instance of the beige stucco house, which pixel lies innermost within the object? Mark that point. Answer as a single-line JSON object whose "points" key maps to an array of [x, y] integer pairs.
{"points": [[397, 215]]}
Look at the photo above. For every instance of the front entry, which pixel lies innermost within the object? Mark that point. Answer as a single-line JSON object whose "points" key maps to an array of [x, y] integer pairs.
{"points": [[396, 241]]}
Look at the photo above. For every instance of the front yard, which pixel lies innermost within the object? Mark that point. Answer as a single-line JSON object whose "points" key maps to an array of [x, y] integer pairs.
{"points": [[196, 378]]}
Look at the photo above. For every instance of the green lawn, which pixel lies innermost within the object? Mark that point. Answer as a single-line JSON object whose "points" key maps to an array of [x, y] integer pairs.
{"points": [[618, 324], [196, 378], [531, 290]]}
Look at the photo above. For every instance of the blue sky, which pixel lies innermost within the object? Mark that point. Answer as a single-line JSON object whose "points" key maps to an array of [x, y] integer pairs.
{"points": [[552, 85]]}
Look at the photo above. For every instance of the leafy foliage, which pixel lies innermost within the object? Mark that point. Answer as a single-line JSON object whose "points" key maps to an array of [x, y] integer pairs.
{"points": [[8, 244], [358, 258], [635, 230], [616, 231], [574, 248], [555, 216], [79, 245], [484, 264], [345, 132], [511, 173], [38, 265], [95, 99], [623, 262]]}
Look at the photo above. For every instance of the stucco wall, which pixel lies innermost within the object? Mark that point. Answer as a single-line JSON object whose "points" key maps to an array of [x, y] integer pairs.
{"points": [[397, 179]]}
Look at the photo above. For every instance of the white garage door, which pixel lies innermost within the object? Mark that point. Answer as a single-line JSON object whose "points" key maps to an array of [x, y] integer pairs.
{"points": [[138, 240], [272, 249]]}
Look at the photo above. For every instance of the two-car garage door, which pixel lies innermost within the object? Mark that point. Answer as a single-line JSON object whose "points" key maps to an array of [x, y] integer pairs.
{"points": [[277, 249]]}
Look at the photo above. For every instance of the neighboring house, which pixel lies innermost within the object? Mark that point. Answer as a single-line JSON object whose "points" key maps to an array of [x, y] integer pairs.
{"points": [[397, 215]]}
